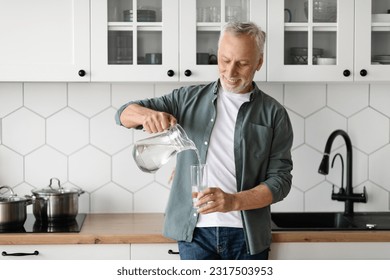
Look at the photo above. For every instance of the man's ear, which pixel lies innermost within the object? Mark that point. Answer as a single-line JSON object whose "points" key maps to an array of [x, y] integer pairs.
{"points": [[260, 63]]}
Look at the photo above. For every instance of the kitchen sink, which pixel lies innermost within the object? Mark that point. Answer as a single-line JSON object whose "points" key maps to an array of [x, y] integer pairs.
{"points": [[330, 221]]}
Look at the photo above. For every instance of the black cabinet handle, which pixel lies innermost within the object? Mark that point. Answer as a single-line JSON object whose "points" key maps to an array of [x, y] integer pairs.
{"points": [[4, 253], [346, 73], [171, 73], [82, 73], [171, 252], [187, 73], [363, 72]]}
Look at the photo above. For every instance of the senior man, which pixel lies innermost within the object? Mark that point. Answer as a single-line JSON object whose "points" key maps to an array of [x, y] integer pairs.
{"points": [[243, 135]]}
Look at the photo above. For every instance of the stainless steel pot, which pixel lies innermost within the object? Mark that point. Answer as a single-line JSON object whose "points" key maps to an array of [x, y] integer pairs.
{"points": [[13, 209], [55, 204]]}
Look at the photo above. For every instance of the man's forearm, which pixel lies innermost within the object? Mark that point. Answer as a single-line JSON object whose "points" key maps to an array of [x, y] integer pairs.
{"points": [[258, 197], [134, 115]]}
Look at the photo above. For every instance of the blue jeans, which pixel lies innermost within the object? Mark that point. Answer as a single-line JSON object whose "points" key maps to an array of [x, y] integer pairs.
{"points": [[218, 243]]}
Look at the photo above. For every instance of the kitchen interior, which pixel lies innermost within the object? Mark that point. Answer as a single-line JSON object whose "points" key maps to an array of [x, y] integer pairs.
{"points": [[63, 78]]}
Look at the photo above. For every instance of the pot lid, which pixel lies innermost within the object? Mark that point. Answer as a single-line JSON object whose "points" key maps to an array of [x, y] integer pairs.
{"points": [[11, 197], [50, 190]]}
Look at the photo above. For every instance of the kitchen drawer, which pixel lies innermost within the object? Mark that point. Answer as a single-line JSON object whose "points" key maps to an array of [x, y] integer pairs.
{"points": [[68, 252], [160, 251]]}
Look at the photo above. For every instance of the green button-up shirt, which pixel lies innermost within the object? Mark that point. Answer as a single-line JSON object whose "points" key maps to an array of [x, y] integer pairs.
{"points": [[262, 150]]}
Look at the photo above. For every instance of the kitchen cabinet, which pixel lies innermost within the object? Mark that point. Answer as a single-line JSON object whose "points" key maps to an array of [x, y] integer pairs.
{"points": [[330, 251], [350, 42], [298, 37], [134, 40], [155, 40], [67, 252], [200, 26], [372, 40], [155, 251], [44, 40]]}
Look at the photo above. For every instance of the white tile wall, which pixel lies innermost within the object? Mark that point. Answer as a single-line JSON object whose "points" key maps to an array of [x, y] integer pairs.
{"points": [[67, 130]]}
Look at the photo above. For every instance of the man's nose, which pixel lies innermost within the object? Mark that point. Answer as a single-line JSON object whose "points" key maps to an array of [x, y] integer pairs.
{"points": [[231, 70]]}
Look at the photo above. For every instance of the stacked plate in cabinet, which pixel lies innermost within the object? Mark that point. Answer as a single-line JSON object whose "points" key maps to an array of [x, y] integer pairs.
{"points": [[382, 59], [142, 15]]}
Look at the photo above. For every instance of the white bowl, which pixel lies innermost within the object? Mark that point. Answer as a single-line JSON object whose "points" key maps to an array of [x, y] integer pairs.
{"points": [[381, 18], [326, 61]]}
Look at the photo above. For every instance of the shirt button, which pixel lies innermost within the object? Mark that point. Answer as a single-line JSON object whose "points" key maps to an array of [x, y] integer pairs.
{"points": [[212, 120], [206, 143]]}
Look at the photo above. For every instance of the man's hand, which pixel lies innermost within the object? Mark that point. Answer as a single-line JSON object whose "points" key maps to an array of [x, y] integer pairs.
{"points": [[215, 200], [152, 121], [156, 121]]}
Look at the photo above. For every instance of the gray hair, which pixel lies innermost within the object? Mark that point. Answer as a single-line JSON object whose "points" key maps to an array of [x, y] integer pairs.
{"points": [[245, 28]]}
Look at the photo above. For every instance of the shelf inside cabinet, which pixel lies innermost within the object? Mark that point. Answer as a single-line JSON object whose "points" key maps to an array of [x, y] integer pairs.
{"points": [[142, 26], [314, 26], [208, 26], [380, 26]]}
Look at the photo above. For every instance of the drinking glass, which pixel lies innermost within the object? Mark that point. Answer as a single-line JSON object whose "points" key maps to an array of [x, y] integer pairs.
{"points": [[198, 181]]}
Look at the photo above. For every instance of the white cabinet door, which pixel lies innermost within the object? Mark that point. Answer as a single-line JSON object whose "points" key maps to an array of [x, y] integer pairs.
{"points": [[330, 251], [200, 26], [372, 40], [134, 40], [302, 42], [44, 40], [66, 252], [160, 251]]}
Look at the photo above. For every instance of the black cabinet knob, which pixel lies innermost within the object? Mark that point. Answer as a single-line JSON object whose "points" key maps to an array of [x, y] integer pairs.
{"points": [[187, 73], [346, 73], [171, 73], [363, 72], [82, 73]]}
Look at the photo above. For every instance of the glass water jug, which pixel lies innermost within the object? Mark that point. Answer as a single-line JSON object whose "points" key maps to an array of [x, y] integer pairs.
{"points": [[153, 152]]}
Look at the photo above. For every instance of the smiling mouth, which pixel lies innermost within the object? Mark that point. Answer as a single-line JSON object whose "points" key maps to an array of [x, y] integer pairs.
{"points": [[231, 81]]}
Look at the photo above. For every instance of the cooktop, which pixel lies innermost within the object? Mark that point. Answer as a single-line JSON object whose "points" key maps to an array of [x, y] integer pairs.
{"points": [[31, 225]]}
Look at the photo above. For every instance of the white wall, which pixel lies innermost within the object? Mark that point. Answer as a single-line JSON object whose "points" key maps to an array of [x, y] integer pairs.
{"points": [[67, 130]]}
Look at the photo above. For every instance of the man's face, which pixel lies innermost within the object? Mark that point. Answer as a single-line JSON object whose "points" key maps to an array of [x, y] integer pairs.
{"points": [[238, 60]]}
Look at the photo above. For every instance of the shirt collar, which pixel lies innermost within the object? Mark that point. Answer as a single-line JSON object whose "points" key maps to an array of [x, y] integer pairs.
{"points": [[255, 91]]}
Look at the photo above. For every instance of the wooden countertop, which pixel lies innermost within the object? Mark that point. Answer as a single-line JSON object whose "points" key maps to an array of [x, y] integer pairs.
{"points": [[146, 228]]}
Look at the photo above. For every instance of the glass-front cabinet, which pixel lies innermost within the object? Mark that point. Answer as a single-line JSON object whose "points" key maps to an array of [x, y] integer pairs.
{"points": [[134, 40], [200, 26], [372, 47], [160, 40], [310, 40]]}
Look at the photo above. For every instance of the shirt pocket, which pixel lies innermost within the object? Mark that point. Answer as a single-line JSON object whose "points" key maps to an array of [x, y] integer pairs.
{"points": [[258, 139]]}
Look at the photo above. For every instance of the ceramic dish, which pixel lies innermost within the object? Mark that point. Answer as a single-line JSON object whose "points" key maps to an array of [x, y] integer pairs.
{"points": [[381, 18]]}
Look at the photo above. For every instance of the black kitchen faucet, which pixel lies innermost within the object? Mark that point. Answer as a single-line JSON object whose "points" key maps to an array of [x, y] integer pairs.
{"points": [[348, 196]]}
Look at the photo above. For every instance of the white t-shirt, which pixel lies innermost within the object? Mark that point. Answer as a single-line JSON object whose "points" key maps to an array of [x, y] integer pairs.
{"points": [[220, 157]]}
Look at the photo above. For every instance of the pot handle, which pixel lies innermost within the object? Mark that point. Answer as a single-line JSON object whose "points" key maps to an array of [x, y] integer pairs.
{"points": [[30, 199], [9, 189], [58, 181]]}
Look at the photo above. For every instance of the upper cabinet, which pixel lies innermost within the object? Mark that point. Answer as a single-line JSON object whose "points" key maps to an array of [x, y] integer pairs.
{"points": [[173, 40], [45, 40], [329, 40], [200, 25], [134, 40], [310, 40], [155, 40], [372, 40]]}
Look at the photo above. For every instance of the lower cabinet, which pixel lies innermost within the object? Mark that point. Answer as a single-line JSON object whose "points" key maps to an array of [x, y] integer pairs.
{"points": [[150, 251], [160, 251], [66, 252], [330, 251]]}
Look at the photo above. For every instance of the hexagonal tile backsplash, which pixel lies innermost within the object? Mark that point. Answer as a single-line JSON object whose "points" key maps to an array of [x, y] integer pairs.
{"points": [[67, 130]]}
